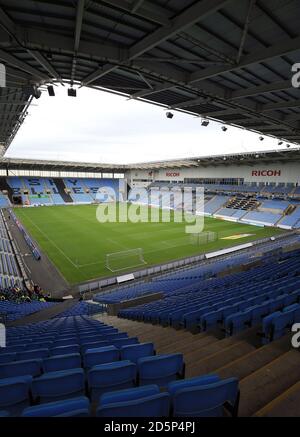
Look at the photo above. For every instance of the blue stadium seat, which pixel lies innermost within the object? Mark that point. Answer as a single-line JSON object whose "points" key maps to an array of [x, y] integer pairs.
{"points": [[124, 341], [206, 400], [62, 362], [101, 355], [20, 368], [129, 394], [15, 394], [112, 376], [64, 350], [93, 345], [267, 326], [54, 386], [75, 407], [237, 322], [133, 352], [157, 405], [160, 369], [65, 342], [259, 311], [174, 386], [32, 354], [6, 358]]}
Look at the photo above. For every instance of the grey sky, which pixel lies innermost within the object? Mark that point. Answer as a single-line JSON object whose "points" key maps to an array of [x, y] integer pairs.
{"points": [[102, 127]]}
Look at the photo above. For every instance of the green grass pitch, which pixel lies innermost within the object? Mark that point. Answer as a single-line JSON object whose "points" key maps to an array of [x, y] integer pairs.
{"points": [[77, 243]]}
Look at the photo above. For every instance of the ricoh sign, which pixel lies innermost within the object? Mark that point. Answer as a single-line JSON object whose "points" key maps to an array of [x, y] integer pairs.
{"points": [[266, 173], [172, 174]]}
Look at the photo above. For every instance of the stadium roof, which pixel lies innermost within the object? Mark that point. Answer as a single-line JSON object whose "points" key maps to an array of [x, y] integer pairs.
{"points": [[246, 158], [228, 60]]}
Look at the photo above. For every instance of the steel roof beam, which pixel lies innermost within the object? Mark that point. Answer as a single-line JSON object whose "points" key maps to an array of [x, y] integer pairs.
{"points": [[190, 16], [23, 66], [261, 89], [136, 5], [148, 11], [283, 47]]}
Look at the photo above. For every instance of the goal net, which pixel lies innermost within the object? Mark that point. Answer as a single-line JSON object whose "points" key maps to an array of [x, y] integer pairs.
{"points": [[124, 260], [203, 238]]}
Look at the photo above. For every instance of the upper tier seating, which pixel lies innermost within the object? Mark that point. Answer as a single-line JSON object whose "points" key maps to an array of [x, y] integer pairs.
{"points": [[292, 220], [214, 204], [263, 218]]}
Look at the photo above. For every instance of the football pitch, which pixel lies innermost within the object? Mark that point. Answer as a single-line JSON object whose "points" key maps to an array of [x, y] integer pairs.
{"points": [[77, 244]]}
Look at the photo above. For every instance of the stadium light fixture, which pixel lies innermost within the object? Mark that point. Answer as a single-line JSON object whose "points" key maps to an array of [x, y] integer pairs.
{"points": [[72, 92], [169, 115], [205, 123], [32, 90], [50, 89]]}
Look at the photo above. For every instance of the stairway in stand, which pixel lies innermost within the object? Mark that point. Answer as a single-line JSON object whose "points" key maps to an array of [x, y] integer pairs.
{"points": [[269, 375], [60, 185]]}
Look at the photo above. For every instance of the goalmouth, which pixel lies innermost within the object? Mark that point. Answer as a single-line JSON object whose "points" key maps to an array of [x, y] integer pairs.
{"points": [[124, 260]]}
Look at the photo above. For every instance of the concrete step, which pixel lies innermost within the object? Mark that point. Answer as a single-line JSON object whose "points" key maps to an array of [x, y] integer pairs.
{"points": [[176, 346], [285, 405], [261, 387], [218, 359], [254, 360]]}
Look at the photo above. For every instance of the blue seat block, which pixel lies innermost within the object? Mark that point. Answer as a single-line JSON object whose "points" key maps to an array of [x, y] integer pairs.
{"points": [[157, 405], [32, 354], [207, 400], [62, 362], [112, 376], [101, 355], [124, 341], [174, 386], [6, 358], [93, 345], [65, 350], [54, 386], [75, 407], [14, 394], [160, 369], [133, 352], [20, 368], [129, 394]]}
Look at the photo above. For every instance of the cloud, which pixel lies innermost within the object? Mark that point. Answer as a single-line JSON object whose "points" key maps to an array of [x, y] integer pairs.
{"points": [[102, 127]]}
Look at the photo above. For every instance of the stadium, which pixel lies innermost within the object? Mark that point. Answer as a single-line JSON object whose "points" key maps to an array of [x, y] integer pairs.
{"points": [[166, 288]]}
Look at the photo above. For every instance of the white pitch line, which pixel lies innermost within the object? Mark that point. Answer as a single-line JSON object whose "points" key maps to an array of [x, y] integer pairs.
{"points": [[52, 242]]}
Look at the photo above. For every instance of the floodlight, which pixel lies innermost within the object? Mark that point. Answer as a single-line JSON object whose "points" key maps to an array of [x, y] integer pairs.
{"points": [[169, 115], [50, 89], [205, 123], [72, 92]]}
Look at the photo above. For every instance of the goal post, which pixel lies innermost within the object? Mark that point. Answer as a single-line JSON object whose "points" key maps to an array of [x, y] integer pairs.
{"points": [[124, 260], [203, 238]]}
